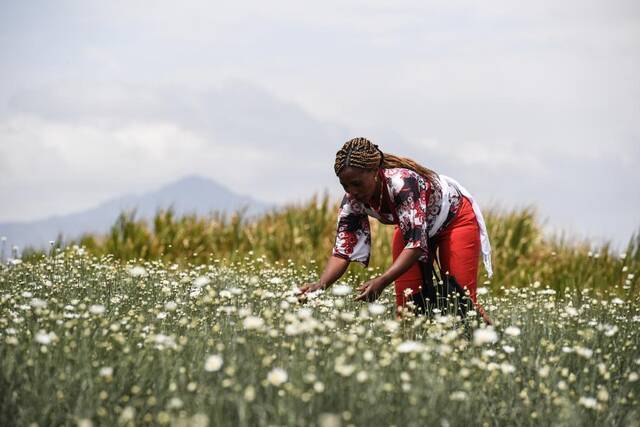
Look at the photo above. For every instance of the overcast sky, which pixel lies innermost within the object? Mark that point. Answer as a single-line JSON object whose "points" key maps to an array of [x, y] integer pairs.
{"points": [[525, 104]]}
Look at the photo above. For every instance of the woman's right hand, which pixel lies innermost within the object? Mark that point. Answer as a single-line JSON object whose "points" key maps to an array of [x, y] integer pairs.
{"points": [[310, 287], [334, 269]]}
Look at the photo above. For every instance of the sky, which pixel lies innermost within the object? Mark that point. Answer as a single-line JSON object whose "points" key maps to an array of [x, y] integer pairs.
{"points": [[526, 104]]}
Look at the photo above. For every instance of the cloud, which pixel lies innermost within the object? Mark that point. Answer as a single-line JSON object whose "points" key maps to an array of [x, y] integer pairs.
{"points": [[104, 140]]}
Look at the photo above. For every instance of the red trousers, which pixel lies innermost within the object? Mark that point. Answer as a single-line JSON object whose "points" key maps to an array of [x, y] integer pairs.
{"points": [[458, 248]]}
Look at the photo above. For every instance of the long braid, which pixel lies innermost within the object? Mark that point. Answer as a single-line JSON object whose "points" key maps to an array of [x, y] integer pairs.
{"points": [[362, 153]]}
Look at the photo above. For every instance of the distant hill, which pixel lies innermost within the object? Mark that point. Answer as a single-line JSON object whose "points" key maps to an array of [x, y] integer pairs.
{"points": [[191, 194]]}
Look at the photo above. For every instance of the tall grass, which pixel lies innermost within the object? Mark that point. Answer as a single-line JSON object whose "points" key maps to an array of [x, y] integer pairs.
{"points": [[305, 233]]}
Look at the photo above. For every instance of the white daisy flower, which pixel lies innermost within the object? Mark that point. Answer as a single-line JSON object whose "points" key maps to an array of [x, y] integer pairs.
{"points": [[277, 377], [213, 363], [485, 336]]}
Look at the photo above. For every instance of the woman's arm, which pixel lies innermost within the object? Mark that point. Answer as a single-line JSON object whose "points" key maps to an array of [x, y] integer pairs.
{"points": [[334, 270], [371, 290], [353, 243]]}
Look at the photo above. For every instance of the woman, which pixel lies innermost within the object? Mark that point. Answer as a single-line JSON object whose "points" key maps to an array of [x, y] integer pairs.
{"points": [[429, 211]]}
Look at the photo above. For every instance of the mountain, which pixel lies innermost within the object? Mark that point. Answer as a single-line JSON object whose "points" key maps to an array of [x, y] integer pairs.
{"points": [[191, 194]]}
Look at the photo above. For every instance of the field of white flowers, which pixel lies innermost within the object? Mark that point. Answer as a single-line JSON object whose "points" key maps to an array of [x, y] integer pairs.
{"points": [[89, 341]]}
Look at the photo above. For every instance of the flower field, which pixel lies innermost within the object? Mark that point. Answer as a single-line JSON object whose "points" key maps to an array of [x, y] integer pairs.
{"points": [[87, 340]]}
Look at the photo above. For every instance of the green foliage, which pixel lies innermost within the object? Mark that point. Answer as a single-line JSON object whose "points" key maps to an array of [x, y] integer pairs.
{"points": [[304, 233]]}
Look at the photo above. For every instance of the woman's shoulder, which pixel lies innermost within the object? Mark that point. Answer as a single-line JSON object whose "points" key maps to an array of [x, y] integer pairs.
{"points": [[399, 178], [399, 172]]}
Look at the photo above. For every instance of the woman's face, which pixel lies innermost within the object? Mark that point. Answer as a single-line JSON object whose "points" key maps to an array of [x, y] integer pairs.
{"points": [[359, 183]]}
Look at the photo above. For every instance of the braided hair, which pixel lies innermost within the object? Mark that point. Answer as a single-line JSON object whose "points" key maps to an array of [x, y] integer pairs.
{"points": [[363, 154]]}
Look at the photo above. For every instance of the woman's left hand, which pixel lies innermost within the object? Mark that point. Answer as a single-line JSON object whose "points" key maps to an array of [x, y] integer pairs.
{"points": [[370, 290]]}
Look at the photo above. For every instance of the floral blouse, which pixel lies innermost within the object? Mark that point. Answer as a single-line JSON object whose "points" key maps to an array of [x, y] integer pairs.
{"points": [[414, 207]]}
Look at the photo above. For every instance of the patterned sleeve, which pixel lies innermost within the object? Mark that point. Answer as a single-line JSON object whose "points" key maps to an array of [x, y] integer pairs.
{"points": [[411, 197], [353, 235]]}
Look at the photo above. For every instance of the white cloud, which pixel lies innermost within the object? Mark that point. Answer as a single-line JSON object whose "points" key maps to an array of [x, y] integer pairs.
{"points": [[503, 155], [109, 141]]}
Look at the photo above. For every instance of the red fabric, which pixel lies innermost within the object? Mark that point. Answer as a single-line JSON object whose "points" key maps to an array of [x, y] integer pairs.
{"points": [[410, 279], [458, 248]]}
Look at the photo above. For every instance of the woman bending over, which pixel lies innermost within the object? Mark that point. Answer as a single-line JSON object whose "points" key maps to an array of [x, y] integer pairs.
{"points": [[431, 212]]}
